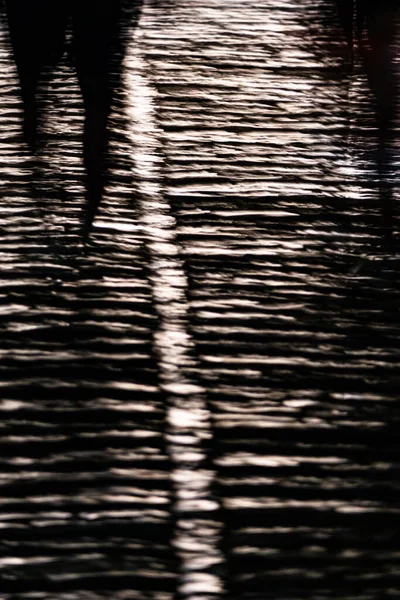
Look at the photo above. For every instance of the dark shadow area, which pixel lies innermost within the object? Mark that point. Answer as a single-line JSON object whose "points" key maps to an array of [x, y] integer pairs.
{"points": [[370, 31], [95, 35]]}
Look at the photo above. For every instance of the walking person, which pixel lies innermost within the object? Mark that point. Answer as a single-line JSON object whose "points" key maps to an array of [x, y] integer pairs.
{"points": [[38, 37]]}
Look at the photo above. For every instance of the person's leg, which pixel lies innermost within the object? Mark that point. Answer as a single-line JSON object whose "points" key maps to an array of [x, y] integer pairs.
{"points": [[37, 31], [98, 56]]}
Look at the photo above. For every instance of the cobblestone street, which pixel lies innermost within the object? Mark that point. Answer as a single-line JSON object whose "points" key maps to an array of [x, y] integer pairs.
{"points": [[203, 402]]}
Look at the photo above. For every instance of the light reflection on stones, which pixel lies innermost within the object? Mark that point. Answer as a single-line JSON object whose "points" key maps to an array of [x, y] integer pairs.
{"points": [[262, 308]]}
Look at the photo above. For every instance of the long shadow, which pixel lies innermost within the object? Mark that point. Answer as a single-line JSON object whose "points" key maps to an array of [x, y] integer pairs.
{"points": [[370, 27], [101, 32]]}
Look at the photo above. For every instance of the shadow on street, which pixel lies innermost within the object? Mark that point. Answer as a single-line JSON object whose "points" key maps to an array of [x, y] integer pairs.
{"points": [[370, 29], [100, 32]]}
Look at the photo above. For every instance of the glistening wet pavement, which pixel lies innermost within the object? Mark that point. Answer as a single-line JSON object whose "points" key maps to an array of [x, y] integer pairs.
{"points": [[206, 398]]}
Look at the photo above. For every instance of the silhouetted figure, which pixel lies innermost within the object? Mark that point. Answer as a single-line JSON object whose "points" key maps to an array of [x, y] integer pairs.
{"points": [[38, 32], [372, 25]]}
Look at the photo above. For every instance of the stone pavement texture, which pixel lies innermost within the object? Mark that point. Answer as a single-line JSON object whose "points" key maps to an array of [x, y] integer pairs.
{"points": [[204, 402]]}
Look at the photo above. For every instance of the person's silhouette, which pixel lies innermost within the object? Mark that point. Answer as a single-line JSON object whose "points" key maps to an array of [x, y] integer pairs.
{"points": [[38, 32]]}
